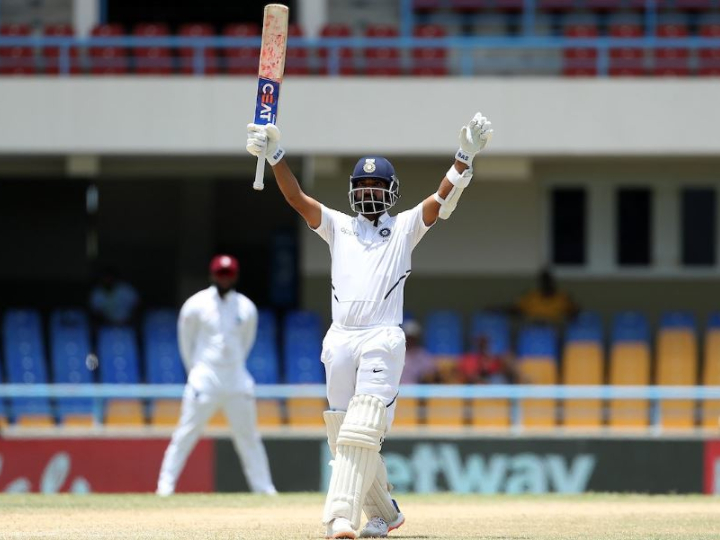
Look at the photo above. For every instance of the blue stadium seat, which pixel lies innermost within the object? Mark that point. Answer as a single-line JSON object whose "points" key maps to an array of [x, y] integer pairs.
{"points": [[161, 350], [3, 409], [444, 333], [677, 320], [25, 362], [118, 355], [263, 362], [69, 346], [494, 326], [538, 341], [714, 320], [587, 326], [630, 326], [303, 344]]}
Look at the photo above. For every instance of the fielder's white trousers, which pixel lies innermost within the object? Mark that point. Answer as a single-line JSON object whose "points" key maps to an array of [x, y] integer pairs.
{"points": [[197, 409], [363, 361]]}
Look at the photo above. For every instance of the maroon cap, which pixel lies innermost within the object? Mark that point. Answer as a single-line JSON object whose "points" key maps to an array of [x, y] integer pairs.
{"points": [[224, 264]]}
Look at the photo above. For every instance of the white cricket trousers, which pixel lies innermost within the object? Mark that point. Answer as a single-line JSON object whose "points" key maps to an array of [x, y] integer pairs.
{"points": [[197, 409], [363, 361]]}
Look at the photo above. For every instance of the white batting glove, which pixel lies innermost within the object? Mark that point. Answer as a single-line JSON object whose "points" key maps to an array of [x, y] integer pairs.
{"points": [[265, 138], [473, 138]]}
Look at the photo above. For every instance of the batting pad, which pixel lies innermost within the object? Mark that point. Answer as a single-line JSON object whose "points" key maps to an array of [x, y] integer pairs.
{"points": [[356, 459], [378, 501]]}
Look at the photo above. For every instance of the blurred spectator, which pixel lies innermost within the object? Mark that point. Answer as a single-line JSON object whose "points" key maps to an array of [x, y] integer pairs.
{"points": [[483, 367], [113, 301], [546, 304], [419, 364]]}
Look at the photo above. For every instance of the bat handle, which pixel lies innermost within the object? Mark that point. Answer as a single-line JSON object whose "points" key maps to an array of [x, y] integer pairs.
{"points": [[260, 172]]}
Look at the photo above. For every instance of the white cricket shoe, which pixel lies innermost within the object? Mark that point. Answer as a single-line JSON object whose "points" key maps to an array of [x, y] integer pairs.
{"points": [[340, 528], [377, 527]]}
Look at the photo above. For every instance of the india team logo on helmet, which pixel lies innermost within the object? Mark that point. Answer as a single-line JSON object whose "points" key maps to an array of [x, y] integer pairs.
{"points": [[364, 200]]}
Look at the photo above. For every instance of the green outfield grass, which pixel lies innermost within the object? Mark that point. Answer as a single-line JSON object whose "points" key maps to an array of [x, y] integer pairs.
{"points": [[297, 516]]}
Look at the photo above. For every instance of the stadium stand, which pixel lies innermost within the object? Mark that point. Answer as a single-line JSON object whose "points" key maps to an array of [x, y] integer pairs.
{"points": [[3, 410], [345, 55], [677, 365], [445, 339], [629, 365], [709, 58], [162, 362], [241, 60], [711, 370], [16, 60], [51, 55], [429, 61], [263, 365], [383, 61], [69, 346], [187, 55], [583, 363], [152, 60], [120, 364], [106, 60], [297, 59], [538, 359]]}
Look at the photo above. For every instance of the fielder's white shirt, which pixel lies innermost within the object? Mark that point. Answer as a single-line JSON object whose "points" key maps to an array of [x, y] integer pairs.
{"points": [[370, 264], [215, 335]]}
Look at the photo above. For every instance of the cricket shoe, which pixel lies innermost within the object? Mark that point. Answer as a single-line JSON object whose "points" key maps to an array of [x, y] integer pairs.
{"points": [[340, 528], [377, 527]]}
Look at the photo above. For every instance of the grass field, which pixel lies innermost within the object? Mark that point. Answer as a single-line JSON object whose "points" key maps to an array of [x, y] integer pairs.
{"points": [[297, 516]]}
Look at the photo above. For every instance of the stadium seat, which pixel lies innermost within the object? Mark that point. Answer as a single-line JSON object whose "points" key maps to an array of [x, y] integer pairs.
{"points": [[407, 412], [583, 364], [52, 55], [445, 412], [580, 61], [269, 412], [429, 61], [25, 363], [119, 364], [672, 61], [16, 60], [69, 346], [242, 60], [340, 61], [711, 371], [626, 61], [152, 60], [490, 413], [444, 339], [629, 365], [677, 366], [296, 58], [383, 61], [555, 5], [3, 409], [302, 339], [263, 362], [106, 60], [162, 361], [188, 55], [537, 364], [306, 411], [709, 58]]}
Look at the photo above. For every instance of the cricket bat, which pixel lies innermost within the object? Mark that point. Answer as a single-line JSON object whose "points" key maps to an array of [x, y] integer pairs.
{"points": [[270, 73]]}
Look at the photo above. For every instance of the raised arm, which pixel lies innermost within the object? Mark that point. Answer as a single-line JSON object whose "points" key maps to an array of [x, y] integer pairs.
{"points": [[473, 138], [268, 138]]}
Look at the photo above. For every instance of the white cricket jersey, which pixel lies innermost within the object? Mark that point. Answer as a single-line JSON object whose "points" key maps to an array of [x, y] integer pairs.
{"points": [[215, 336], [370, 264]]}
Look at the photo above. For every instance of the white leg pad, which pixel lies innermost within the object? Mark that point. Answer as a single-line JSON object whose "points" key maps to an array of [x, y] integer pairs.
{"points": [[356, 459]]}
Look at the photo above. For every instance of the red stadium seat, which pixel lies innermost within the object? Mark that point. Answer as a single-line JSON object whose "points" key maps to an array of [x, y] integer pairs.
{"points": [[51, 55], [187, 54], [429, 60], [709, 59], [693, 5], [626, 61], [108, 60], [667, 61], [242, 60], [346, 57], [470, 5], [296, 59], [384, 61], [16, 60], [582, 61], [152, 60]]}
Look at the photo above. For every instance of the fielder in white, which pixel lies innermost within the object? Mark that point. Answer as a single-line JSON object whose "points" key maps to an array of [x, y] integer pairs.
{"points": [[216, 330], [364, 350]]}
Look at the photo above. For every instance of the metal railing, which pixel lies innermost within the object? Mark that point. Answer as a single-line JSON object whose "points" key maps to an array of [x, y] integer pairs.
{"points": [[516, 394]]}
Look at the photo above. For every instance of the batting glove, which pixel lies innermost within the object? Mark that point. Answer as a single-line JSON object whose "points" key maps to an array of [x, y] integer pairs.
{"points": [[265, 139], [473, 138]]}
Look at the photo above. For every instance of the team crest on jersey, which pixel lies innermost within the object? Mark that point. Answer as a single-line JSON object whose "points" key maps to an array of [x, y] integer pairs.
{"points": [[385, 232], [369, 165]]}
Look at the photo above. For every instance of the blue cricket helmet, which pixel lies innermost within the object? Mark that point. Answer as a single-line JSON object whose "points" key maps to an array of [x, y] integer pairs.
{"points": [[373, 167]]}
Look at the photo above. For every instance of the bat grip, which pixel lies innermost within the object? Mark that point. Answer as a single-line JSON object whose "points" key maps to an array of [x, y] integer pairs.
{"points": [[260, 172]]}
